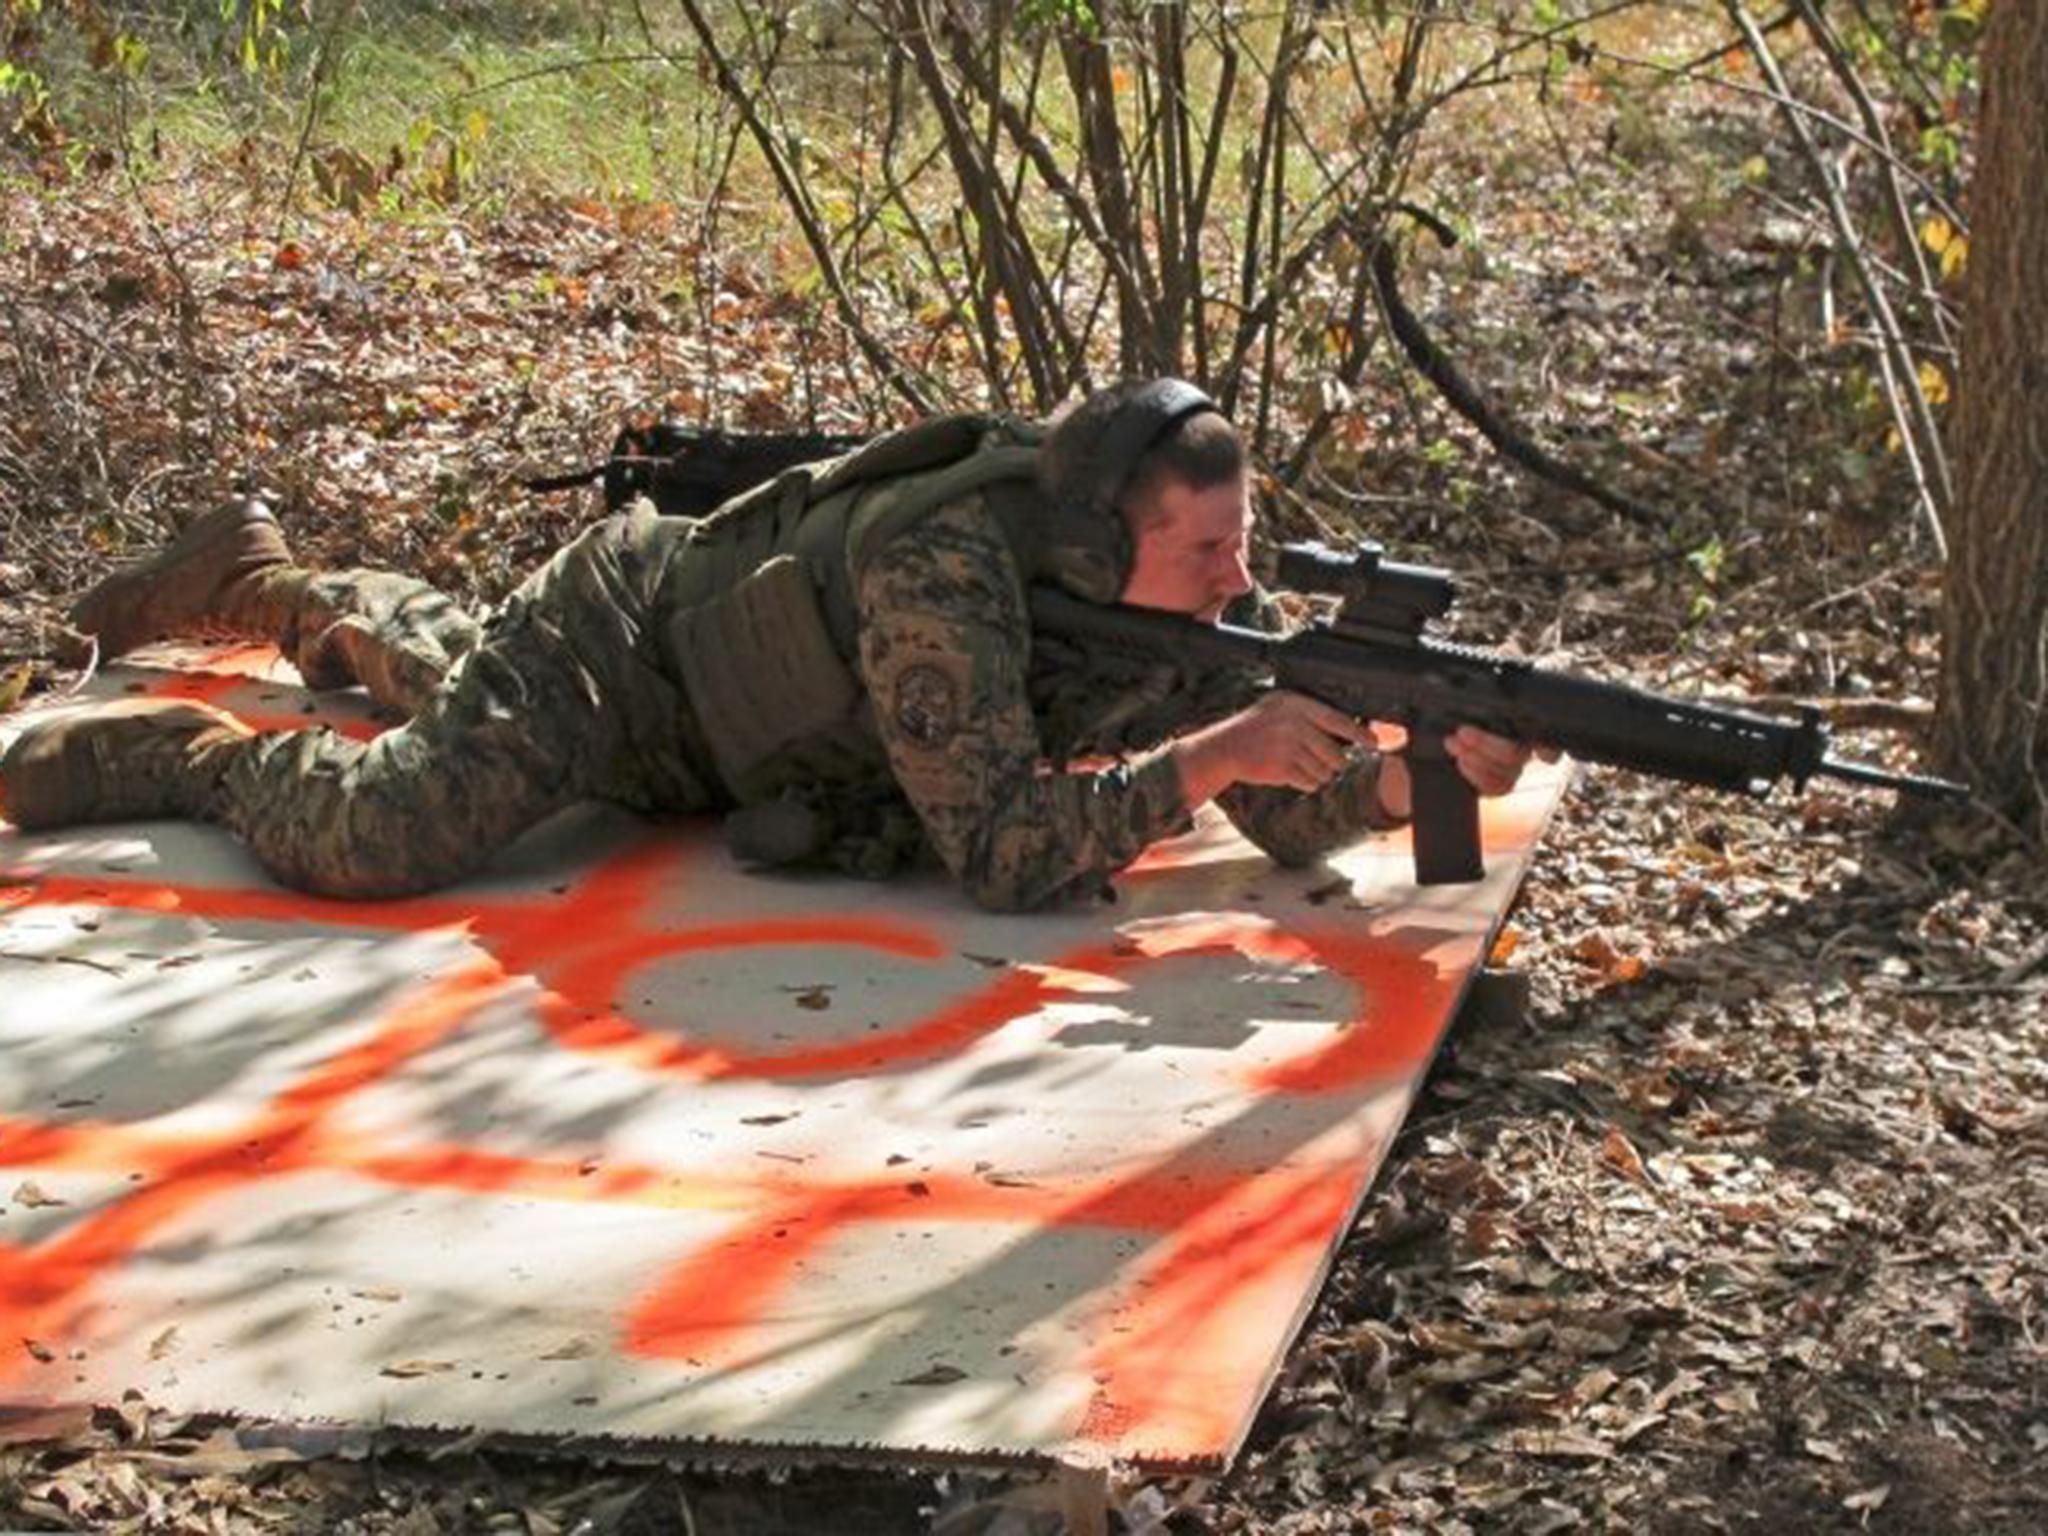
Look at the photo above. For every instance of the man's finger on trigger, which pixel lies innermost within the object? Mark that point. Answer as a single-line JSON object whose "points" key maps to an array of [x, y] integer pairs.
{"points": [[1323, 757], [1338, 724], [1326, 757]]}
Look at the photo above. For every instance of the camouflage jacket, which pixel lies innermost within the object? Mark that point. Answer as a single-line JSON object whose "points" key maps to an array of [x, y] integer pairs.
{"points": [[979, 721]]}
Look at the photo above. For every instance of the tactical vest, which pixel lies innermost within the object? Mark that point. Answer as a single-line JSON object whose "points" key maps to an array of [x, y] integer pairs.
{"points": [[762, 593]]}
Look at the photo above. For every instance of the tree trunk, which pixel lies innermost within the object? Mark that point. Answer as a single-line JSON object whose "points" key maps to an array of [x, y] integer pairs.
{"points": [[1992, 726]]}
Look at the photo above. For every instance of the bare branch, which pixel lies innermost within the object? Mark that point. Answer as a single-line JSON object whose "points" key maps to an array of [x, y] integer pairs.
{"points": [[1915, 418], [1895, 193], [801, 208]]}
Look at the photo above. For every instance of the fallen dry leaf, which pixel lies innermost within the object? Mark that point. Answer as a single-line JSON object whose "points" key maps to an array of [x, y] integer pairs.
{"points": [[1620, 1154], [1747, 1213], [1592, 1387], [1065, 978], [937, 1376], [1559, 1442], [1010, 1181], [1597, 950], [220, 1454], [405, 1370]]}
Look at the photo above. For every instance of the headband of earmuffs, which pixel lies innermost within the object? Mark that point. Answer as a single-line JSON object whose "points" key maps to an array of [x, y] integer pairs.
{"points": [[1081, 540], [1141, 424]]}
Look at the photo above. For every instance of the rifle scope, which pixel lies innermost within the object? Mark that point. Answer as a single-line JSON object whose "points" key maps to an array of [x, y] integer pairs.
{"points": [[1376, 591]]}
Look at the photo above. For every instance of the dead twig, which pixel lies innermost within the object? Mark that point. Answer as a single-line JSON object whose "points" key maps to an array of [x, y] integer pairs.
{"points": [[1932, 304], [315, 99], [1899, 374], [798, 201], [1806, 110]]}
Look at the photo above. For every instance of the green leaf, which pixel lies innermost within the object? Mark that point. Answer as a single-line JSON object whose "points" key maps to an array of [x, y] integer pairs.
{"points": [[1707, 561]]}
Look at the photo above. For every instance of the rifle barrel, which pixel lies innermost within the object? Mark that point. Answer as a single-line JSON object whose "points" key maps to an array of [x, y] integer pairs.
{"points": [[1905, 783]]}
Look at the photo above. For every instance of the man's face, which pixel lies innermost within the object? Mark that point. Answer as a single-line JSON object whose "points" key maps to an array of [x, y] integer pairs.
{"points": [[1192, 547]]}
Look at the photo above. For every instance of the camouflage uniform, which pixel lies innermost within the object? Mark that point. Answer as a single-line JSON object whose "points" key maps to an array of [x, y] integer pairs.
{"points": [[972, 709], [563, 695], [574, 690]]}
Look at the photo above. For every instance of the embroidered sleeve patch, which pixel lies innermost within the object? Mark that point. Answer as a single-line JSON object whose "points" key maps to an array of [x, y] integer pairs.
{"points": [[927, 705]]}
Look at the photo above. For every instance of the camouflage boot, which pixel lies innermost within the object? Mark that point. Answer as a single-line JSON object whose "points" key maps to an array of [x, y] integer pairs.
{"points": [[229, 572], [129, 761]]}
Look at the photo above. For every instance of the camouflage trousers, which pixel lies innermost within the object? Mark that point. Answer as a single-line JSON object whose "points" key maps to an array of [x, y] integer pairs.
{"points": [[562, 694]]}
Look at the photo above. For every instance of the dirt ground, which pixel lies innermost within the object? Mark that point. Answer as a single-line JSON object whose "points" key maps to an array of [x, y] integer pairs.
{"points": [[1726, 1208]]}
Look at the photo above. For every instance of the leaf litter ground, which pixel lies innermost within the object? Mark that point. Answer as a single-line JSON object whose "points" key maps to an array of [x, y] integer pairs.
{"points": [[1725, 1208]]}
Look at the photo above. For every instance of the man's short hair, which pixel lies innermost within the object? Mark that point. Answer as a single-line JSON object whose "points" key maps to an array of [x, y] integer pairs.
{"points": [[1201, 451]]}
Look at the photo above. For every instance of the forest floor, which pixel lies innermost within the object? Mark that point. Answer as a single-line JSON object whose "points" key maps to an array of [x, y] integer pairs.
{"points": [[1726, 1207]]}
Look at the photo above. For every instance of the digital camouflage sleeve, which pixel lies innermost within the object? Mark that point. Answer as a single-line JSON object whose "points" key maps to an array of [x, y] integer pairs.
{"points": [[969, 725], [945, 642]]}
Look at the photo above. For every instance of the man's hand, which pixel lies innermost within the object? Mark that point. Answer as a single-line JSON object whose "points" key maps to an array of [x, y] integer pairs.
{"points": [[1286, 739], [1296, 742], [1491, 764]]}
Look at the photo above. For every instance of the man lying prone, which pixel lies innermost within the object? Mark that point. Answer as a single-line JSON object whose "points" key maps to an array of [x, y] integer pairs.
{"points": [[842, 660]]}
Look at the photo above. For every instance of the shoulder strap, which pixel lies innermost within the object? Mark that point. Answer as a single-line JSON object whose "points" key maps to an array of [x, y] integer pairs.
{"points": [[1000, 458], [925, 445]]}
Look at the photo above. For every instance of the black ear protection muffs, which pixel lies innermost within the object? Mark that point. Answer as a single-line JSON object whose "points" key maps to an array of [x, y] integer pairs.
{"points": [[1084, 543], [1140, 424]]}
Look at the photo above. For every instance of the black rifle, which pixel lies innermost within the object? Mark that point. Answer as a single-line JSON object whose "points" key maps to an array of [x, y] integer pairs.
{"points": [[687, 470], [1372, 660]]}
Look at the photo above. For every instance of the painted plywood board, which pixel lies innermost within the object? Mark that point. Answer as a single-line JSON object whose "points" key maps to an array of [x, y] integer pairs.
{"points": [[623, 1141]]}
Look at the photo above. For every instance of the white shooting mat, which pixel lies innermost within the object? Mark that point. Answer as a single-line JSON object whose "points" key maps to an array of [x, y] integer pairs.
{"points": [[624, 1142]]}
